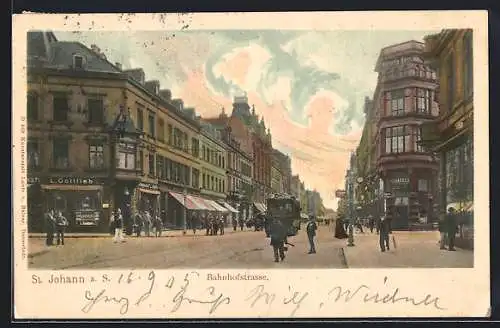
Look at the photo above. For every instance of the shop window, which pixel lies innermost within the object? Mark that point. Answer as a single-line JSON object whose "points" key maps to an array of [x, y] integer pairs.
{"points": [[423, 185], [96, 110], [96, 156], [87, 202], [126, 156], [60, 108], [32, 106], [33, 154], [58, 202], [60, 153]]}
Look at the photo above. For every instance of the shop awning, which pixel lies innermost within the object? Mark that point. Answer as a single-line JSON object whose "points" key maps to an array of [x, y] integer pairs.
{"points": [[465, 206], [185, 201], [217, 207], [260, 207], [72, 187], [149, 191], [229, 207], [202, 205]]}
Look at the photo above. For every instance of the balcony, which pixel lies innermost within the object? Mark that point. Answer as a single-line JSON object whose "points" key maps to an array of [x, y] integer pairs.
{"points": [[415, 71], [407, 159]]}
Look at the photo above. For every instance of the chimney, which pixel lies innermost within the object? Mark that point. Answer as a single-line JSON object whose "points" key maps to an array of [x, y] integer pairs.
{"points": [[191, 112], [153, 86], [178, 103], [95, 49], [119, 66], [137, 74], [166, 94]]}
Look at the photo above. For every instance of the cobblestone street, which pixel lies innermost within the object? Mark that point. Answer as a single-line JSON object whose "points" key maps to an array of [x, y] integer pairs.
{"points": [[246, 249]]}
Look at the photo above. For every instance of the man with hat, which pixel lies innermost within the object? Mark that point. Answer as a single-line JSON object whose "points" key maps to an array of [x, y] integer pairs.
{"points": [[311, 233]]}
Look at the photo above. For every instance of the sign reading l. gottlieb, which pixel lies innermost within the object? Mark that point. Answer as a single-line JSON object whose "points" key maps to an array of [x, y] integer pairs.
{"points": [[74, 180]]}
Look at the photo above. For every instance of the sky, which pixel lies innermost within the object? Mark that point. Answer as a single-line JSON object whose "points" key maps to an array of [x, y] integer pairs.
{"points": [[309, 86]]}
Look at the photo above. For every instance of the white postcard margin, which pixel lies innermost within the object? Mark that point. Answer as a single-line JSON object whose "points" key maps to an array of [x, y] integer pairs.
{"points": [[285, 293]]}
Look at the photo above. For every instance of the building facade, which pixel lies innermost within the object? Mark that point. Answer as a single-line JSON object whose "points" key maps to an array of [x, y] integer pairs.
{"points": [[403, 101], [295, 186], [450, 135]]}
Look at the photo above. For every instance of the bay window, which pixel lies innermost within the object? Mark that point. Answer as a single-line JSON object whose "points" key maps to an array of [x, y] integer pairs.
{"points": [[125, 158], [417, 140], [397, 139], [397, 102], [424, 101]]}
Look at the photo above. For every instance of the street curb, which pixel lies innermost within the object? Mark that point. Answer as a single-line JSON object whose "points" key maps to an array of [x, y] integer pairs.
{"points": [[343, 258]]}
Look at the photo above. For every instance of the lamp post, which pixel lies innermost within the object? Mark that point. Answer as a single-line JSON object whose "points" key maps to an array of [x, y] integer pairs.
{"points": [[350, 239]]}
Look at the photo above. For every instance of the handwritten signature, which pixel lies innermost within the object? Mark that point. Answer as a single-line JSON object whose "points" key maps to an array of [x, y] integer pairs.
{"points": [[258, 293]]}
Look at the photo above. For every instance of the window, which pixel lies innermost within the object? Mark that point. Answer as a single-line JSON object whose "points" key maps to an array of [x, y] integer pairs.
{"points": [[160, 171], [397, 139], [151, 164], [32, 106], [423, 185], [468, 65], [161, 130], [450, 82], [396, 101], [89, 200], [418, 140], [33, 154], [151, 120], [187, 175], [141, 160], [185, 142], [195, 173], [195, 147], [140, 119], [78, 62], [204, 182], [61, 108], [96, 157], [169, 134], [424, 101], [223, 162], [126, 156], [60, 153], [96, 110]]}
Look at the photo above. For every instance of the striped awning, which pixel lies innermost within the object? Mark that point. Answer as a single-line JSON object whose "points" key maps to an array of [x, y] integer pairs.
{"points": [[260, 207], [229, 207], [202, 205], [217, 207], [186, 201]]}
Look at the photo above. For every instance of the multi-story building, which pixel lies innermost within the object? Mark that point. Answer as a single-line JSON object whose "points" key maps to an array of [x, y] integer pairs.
{"points": [[101, 138], [450, 135], [73, 102], [239, 171], [295, 186], [281, 172], [404, 99]]}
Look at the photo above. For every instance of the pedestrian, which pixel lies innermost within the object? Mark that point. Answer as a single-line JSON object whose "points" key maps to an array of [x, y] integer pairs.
{"points": [[118, 223], [206, 223], [158, 226], [147, 223], [61, 224], [194, 222], [371, 223], [138, 222], [278, 240], [451, 223], [311, 233], [235, 223], [443, 232], [384, 234], [242, 223], [50, 227], [340, 233], [221, 225]]}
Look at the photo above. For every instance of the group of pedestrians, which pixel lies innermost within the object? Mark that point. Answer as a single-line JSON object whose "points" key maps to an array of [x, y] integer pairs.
{"points": [[55, 223]]}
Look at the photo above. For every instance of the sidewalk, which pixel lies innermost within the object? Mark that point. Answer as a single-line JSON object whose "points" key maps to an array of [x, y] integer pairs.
{"points": [[165, 233], [413, 249]]}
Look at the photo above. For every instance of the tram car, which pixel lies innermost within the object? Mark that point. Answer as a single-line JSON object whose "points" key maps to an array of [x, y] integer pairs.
{"points": [[286, 208]]}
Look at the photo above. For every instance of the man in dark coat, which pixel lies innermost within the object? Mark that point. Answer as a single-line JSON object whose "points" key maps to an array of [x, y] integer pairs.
{"points": [[339, 229], [384, 228], [278, 240], [50, 227], [451, 223], [311, 233]]}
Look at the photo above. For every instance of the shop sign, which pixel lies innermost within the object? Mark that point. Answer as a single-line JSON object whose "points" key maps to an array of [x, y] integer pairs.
{"points": [[151, 186], [74, 180], [87, 217], [400, 180], [33, 180]]}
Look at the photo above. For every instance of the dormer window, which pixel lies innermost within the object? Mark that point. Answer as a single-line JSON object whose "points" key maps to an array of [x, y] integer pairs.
{"points": [[157, 89], [78, 62]]}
